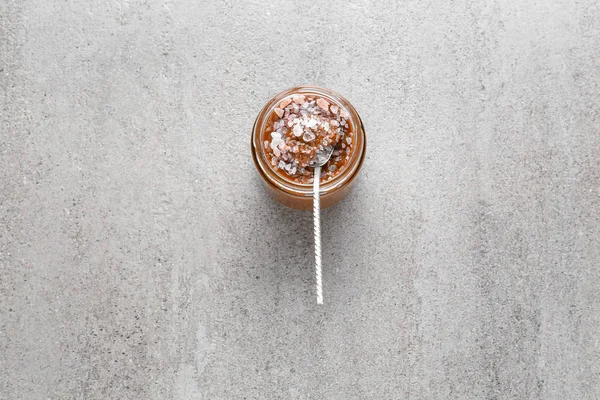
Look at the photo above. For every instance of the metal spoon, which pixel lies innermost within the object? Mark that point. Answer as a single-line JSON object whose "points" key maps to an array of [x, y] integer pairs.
{"points": [[322, 157]]}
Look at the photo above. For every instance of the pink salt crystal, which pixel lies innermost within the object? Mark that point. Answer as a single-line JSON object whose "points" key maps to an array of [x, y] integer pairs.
{"points": [[297, 130], [277, 152], [290, 119], [324, 104], [344, 114], [349, 140], [279, 112], [266, 144], [308, 136], [334, 123], [335, 109], [298, 98], [285, 102]]}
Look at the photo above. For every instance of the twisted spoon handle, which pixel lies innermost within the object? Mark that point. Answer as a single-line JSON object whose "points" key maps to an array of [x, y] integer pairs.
{"points": [[317, 224]]}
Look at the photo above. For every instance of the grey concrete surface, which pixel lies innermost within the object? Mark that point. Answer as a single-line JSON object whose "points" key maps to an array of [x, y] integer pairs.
{"points": [[141, 259]]}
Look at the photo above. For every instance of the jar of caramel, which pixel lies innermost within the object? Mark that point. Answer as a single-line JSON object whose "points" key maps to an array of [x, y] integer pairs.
{"points": [[289, 131]]}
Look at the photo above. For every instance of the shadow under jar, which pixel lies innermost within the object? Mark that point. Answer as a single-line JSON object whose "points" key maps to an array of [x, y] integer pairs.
{"points": [[287, 181]]}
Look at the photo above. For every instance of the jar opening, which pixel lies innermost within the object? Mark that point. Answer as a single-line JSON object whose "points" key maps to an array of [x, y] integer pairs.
{"points": [[286, 183]]}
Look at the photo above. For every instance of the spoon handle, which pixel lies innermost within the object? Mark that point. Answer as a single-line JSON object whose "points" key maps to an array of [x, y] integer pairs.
{"points": [[317, 224]]}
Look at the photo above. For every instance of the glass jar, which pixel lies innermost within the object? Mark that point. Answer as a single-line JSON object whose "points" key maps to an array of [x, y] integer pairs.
{"points": [[298, 195]]}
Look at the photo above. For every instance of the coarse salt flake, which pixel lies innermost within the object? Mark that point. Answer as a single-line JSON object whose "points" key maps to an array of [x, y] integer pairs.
{"points": [[308, 136], [298, 98], [324, 104], [297, 130], [285, 103]]}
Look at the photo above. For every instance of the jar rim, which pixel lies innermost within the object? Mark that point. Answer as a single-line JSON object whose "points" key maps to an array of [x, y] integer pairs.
{"points": [[305, 189]]}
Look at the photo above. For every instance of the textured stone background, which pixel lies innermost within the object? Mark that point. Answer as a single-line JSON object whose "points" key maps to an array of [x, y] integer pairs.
{"points": [[141, 259]]}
